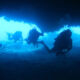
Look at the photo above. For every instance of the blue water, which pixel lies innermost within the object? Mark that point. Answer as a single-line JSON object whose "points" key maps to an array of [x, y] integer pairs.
{"points": [[12, 26], [20, 61]]}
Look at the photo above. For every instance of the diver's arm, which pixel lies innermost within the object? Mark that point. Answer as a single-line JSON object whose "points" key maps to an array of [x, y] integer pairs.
{"points": [[46, 47]]}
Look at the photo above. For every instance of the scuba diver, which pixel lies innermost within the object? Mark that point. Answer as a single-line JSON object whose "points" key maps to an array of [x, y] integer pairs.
{"points": [[62, 44], [33, 37], [16, 36]]}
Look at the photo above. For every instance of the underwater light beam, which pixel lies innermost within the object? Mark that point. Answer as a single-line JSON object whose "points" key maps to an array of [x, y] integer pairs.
{"points": [[13, 26]]}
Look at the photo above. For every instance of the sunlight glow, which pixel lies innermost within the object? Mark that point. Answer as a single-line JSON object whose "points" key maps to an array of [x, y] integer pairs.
{"points": [[13, 26], [48, 38]]}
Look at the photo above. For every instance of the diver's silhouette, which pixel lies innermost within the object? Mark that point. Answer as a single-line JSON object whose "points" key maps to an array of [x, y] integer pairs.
{"points": [[16, 36], [33, 37], [62, 44]]}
